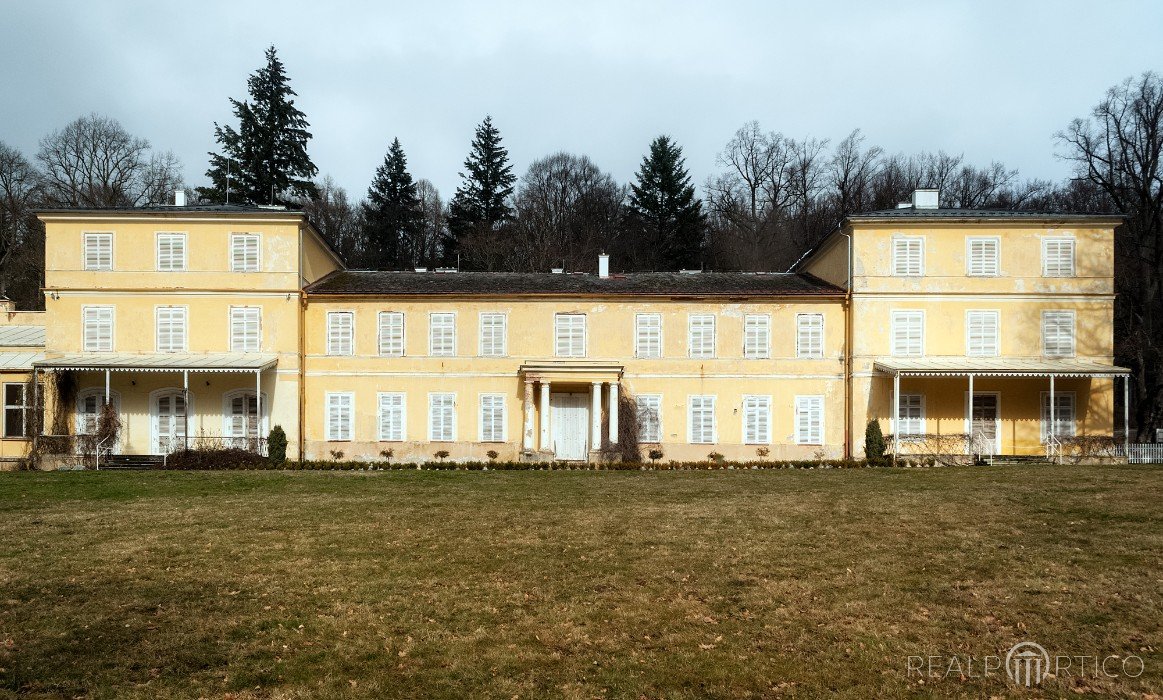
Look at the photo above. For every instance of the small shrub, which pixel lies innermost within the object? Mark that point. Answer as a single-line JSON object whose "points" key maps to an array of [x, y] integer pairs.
{"points": [[874, 445], [277, 445], [215, 458], [655, 455], [492, 455], [441, 454], [715, 458], [762, 452], [388, 454], [336, 454]]}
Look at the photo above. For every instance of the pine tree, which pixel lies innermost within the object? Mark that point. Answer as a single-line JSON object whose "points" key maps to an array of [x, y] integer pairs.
{"points": [[393, 219], [266, 158], [663, 212], [481, 204]]}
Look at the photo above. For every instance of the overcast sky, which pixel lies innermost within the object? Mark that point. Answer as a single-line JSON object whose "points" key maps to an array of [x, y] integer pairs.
{"points": [[991, 80]]}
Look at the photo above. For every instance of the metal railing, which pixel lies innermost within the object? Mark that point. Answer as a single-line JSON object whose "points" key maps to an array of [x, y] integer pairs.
{"points": [[1053, 449], [1146, 453]]}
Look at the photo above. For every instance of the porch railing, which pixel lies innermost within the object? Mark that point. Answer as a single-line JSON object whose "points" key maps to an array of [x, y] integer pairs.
{"points": [[1146, 453]]}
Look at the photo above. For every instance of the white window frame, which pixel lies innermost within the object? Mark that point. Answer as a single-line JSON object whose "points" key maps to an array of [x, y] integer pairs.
{"points": [[643, 349], [481, 401], [237, 315], [334, 343], [25, 408], [1064, 313], [385, 433], [988, 269], [344, 435], [690, 418], [1071, 427], [897, 316], [752, 403], [503, 351], [431, 406], [241, 236], [383, 342], [992, 350], [761, 348], [432, 333], [559, 327], [900, 267], [157, 314], [916, 425], [85, 309], [1056, 270], [97, 236], [228, 427], [800, 402], [801, 328], [656, 400], [170, 236], [701, 353]]}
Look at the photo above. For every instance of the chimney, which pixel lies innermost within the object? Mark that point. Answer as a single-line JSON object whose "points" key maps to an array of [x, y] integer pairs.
{"points": [[926, 199], [603, 266], [557, 270], [7, 305], [179, 198]]}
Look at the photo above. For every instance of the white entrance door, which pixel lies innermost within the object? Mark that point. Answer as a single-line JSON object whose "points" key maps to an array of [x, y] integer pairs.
{"points": [[169, 422], [571, 419], [984, 429]]}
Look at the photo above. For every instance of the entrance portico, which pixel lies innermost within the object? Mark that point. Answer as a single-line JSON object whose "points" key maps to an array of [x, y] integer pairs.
{"points": [[565, 420]]}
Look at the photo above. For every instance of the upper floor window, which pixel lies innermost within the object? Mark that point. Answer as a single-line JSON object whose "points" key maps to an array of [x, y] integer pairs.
{"points": [[981, 333], [1057, 257], [171, 252], [97, 324], [757, 336], [981, 256], [391, 334], [701, 420], [392, 417], [908, 333], [809, 420], [442, 334], [810, 335], [1058, 333], [245, 328], [756, 420], [245, 252], [494, 335], [171, 329], [908, 256], [648, 335], [492, 425], [340, 412], [340, 332], [649, 417], [569, 334], [98, 254], [701, 335]]}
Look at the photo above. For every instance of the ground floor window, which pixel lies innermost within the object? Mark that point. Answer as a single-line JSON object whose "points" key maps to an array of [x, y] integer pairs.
{"points": [[1063, 415], [757, 420], [17, 411], [339, 416], [701, 420], [649, 417], [241, 414], [492, 418], [391, 417], [911, 418], [89, 403], [442, 417], [809, 420]]}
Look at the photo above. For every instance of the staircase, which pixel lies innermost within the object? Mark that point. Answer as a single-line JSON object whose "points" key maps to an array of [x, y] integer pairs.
{"points": [[131, 462], [1019, 460]]}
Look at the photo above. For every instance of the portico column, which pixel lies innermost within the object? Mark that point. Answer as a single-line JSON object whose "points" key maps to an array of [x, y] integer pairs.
{"points": [[106, 386], [896, 416], [258, 410], [614, 413], [1052, 433], [527, 436], [185, 409], [545, 415], [596, 416], [970, 409]]}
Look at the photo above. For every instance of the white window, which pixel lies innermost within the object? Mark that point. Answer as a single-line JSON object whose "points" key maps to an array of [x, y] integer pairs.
{"points": [[391, 417], [391, 334], [97, 322], [908, 333], [908, 256], [809, 420], [339, 415], [245, 252], [241, 418], [569, 333], [90, 403], [17, 408], [701, 335], [171, 252], [441, 417], [492, 418], [442, 334], [340, 332], [981, 333], [245, 328], [98, 251], [649, 417], [648, 335], [1063, 415], [911, 418], [494, 335], [757, 420], [1058, 333], [810, 335], [757, 336], [171, 329], [981, 256], [701, 420], [1057, 257]]}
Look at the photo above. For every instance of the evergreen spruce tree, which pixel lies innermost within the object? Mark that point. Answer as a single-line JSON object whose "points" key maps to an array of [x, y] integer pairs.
{"points": [[664, 213], [481, 204], [268, 161], [393, 219]]}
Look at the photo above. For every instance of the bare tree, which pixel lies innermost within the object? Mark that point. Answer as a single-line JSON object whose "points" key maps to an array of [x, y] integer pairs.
{"points": [[21, 233], [337, 220], [434, 233], [852, 169]]}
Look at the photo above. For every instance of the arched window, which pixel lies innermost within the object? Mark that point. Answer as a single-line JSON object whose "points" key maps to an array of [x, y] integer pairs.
{"points": [[89, 402]]}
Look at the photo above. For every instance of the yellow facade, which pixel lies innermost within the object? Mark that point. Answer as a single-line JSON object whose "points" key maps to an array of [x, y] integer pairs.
{"points": [[18, 350]]}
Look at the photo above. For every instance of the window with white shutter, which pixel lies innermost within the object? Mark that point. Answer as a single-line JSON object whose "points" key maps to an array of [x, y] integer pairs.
{"points": [[908, 333], [648, 335], [1057, 257], [810, 335], [569, 334], [245, 328], [757, 336], [981, 256], [701, 335], [908, 256], [1063, 414], [391, 417], [340, 413], [340, 332], [1058, 333], [98, 251], [441, 417], [701, 420], [911, 418], [649, 417], [97, 324], [981, 333], [492, 418], [809, 420], [757, 420], [391, 333], [171, 328], [442, 334], [171, 252], [245, 252], [494, 335]]}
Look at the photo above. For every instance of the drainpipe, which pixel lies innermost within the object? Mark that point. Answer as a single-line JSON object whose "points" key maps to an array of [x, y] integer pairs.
{"points": [[848, 353]]}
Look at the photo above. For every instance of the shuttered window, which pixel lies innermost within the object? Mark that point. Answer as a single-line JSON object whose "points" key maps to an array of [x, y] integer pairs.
{"points": [[981, 256], [244, 252], [649, 417], [809, 420], [391, 417], [97, 323], [981, 333], [494, 335], [98, 251], [908, 256], [756, 420], [171, 329], [911, 418], [441, 417], [245, 328], [569, 333], [442, 334], [171, 252], [701, 420], [757, 336], [701, 335], [340, 332], [1058, 257], [1063, 415], [648, 335], [492, 418], [1058, 333], [810, 335], [391, 334], [340, 415], [908, 333]]}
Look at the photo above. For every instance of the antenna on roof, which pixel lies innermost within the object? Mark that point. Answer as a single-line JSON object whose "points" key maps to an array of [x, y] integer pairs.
{"points": [[228, 181]]}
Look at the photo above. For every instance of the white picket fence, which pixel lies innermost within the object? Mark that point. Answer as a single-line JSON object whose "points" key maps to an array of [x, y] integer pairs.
{"points": [[1146, 453]]}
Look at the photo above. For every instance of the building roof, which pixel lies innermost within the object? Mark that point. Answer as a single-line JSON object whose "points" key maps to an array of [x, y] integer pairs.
{"points": [[172, 209], [160, 361], [19, 360], [995, 366], [925, 214], [20, 336], [703, 284]]}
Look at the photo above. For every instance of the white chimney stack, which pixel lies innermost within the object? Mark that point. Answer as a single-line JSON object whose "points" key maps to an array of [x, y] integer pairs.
{"points": [[603, 266], [926, 199], [179, 198]]}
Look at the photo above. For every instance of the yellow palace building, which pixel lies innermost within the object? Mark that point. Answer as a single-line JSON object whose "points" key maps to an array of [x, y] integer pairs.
{"points": [[208, 325]]}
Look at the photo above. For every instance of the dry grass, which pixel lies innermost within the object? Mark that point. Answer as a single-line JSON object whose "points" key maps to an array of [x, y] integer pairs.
{"points": [[574, 584]]}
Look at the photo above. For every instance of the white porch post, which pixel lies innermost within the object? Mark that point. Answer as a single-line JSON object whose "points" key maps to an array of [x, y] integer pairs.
{"points": [[896, 415], [545, 416], [527, 435], [614, 413], [186, 408], [1127, 415], [258, 410], [596, 416], [1052, 432], [37, 413], [106, 386], [970, 410]]}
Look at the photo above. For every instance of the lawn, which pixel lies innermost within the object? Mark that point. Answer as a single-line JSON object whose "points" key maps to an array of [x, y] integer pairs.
{"points": [[576, 584]]}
